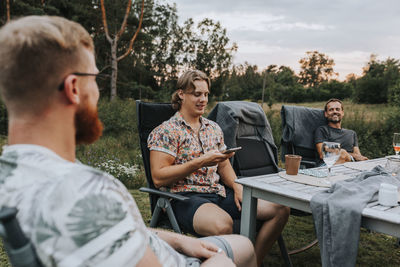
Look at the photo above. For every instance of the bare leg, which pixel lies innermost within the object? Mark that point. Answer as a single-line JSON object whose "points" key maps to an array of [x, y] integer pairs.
{"points": [[209, 219], [275, 217], [243, 250], [218, 260]]}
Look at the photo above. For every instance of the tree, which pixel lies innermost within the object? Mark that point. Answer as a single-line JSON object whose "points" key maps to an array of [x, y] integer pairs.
{"points": [[378, 77], [315, 68], [8, 10], [206, 48], [5, 12], [114, 42]]}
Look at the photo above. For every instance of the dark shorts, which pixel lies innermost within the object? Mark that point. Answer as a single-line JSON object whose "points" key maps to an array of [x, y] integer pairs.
{"points": [[185, 210]]}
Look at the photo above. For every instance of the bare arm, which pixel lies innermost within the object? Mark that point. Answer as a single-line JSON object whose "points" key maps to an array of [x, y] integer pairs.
{"points": [[149, 259], [165, 172], [319, 150], [187, 245], [228, 176], [357, 154]]}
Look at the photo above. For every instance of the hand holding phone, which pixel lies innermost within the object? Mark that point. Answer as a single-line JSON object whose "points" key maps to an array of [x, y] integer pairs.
{"points": [[232, 149]]}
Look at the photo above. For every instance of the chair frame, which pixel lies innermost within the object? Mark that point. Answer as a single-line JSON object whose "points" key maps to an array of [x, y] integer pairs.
{"points": [[159, 200], [18, 247]]}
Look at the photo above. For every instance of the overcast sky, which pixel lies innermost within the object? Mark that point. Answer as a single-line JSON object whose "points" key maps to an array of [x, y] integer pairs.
{"points": [[281, 31]]}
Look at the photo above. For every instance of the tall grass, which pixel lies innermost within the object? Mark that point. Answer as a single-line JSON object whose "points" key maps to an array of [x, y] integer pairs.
{"points": [[117, 152]]}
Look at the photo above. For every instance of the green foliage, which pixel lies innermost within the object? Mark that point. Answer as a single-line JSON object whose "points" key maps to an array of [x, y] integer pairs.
{"points": [[378, 77], [316, 68], [394, 94], [118, 116], [3, 256], [118, 151]]}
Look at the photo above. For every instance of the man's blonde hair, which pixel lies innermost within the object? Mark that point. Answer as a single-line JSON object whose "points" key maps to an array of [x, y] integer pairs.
{"points": [[186, 84], [36, 54]]}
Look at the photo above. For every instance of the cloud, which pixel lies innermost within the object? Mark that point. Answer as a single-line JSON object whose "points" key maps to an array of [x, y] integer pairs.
{"points": [[259, 22], [281, 31]]}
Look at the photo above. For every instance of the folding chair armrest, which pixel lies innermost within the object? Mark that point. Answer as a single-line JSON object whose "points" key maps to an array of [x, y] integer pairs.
{"points": [[163, 194]]}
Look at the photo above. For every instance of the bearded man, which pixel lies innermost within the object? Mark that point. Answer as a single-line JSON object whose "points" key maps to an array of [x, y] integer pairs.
{"points": [[333, 132], [74, 214]]}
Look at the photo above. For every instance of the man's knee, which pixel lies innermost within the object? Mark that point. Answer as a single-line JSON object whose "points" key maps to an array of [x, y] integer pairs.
{"points": [[223, 227], [211, 220], [282, 213], [245, 249], [216, 227]]}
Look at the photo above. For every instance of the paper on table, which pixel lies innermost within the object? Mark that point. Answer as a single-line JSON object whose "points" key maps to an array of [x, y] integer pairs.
{"points": [[311, 180]]}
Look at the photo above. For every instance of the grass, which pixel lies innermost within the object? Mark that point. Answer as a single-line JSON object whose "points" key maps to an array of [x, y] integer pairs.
{"points": [[374, 249]]}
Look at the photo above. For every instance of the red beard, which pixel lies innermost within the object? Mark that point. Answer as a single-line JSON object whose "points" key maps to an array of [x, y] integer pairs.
{"points": [[87, 124]]}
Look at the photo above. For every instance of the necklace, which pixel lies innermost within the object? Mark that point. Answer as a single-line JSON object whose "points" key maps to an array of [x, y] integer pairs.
{"points": [[196, 129]]}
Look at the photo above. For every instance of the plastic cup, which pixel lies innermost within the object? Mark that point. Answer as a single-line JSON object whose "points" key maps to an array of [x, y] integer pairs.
{"points": [[292, 164]]}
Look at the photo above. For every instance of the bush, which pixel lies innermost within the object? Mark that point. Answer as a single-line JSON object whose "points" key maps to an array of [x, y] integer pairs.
{"points": [[118, 116], [394, 94], [117, 156], [118, 150]]}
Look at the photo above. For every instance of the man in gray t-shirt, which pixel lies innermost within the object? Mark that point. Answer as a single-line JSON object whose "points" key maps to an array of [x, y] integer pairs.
{"points": [[334, 132]]}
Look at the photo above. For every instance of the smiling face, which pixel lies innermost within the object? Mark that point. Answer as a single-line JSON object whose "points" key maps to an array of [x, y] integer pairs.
{"points": [[194, 101], [334, 112]]}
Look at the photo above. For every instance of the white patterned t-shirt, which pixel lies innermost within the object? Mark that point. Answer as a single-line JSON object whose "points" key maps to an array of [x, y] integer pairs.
{"points": [[73, 214]]}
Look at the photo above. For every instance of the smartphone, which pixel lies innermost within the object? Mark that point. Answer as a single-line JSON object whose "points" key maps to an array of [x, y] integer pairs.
{"points": [[232, 149]]}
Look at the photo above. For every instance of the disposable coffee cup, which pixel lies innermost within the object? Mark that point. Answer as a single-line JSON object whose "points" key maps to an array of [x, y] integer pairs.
{"points": [[388, 195], [292, 164]]}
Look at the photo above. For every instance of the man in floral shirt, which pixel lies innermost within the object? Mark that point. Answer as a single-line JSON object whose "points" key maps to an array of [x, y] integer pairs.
{"points": [[76, 215], [186, 158]]}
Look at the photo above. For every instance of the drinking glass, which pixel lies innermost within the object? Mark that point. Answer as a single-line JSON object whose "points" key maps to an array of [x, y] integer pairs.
{"points": [[331, 153], [396, 143]]}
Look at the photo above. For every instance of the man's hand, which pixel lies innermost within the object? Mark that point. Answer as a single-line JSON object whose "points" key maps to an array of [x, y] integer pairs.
{"points": [[359, 157], [193, 247], [213, 157], [238, 193], [357, 154]]}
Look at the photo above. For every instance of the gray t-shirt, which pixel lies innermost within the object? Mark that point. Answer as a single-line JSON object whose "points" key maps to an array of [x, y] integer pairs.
{"points": [[76, 215], [346, 138]]}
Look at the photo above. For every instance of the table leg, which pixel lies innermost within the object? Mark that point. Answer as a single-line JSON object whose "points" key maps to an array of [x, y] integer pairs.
{"points": [[249, 214]]}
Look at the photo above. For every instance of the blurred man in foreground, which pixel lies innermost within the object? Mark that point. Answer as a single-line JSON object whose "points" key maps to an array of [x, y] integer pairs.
{"points": [[76, 215]]}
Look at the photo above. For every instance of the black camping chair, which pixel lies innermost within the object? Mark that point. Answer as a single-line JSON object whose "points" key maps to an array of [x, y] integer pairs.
{"points": [[258, 155], [149, 116], [245, 124], [298, 127], [17, 246]]}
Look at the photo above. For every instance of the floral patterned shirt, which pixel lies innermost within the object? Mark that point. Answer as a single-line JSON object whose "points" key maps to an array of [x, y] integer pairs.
{"points": [[76, 215], [176, 138]]}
